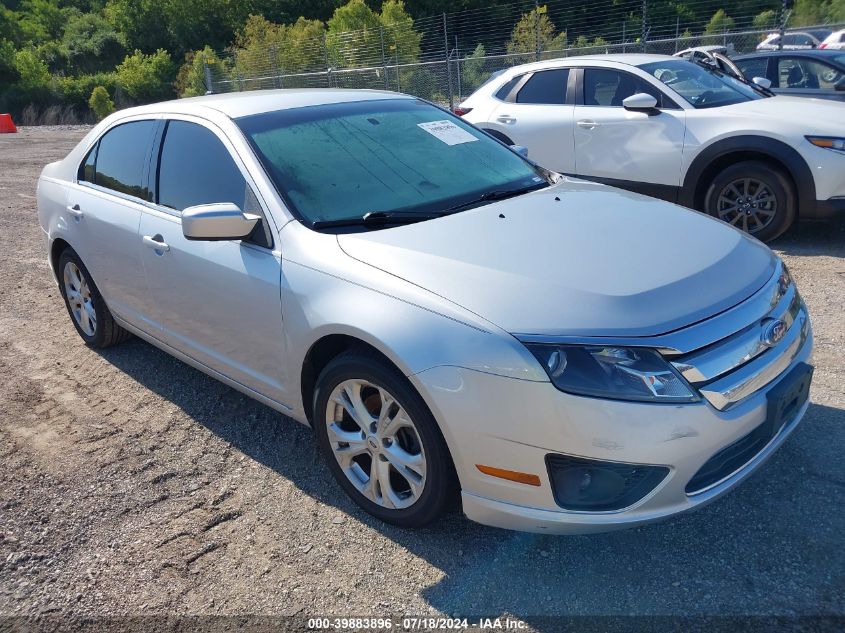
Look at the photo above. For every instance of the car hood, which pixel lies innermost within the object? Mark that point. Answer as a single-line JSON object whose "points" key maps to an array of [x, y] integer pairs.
{"points": [[818, 116], [577, 258]]}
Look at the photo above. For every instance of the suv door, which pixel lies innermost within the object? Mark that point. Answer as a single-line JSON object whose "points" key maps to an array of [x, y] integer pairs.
{"points": [[537, 114], [103, 214], [805, 77], [218, 302], [635, 150]]}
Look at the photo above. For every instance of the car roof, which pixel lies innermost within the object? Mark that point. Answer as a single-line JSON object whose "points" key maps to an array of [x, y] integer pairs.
{"points": [[239, 104], [630, 59], [801, 52]]}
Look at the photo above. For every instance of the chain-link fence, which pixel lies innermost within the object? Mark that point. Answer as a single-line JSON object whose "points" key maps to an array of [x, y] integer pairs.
{"points": [[446, 58]]}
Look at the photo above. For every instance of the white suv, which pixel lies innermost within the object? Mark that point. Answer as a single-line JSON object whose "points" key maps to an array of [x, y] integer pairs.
{"points": [[676, 130]]}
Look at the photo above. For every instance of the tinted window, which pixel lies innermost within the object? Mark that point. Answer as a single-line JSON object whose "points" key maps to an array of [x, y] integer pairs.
{"points": [[504, 91], [122, 156], [86, 169], [196, 168], [797, 39], [548, 87], [752, 68], [605, 87], [800, 72]]}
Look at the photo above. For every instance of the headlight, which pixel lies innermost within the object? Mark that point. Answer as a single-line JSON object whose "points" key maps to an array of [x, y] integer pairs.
{"points": [[618, 373], [828, 142]]}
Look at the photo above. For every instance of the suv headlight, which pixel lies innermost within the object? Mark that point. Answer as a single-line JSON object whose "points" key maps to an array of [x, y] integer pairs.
{"points": [[617, 373], [828, 142]]}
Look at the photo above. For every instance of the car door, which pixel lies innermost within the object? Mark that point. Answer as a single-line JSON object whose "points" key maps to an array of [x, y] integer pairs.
{"points": [[103, 214], [538, 115], [636, 150], [806, 77], [217, 301]]}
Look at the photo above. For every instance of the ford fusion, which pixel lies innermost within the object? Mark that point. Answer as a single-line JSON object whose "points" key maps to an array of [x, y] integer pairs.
{"points": [[451, 320]]}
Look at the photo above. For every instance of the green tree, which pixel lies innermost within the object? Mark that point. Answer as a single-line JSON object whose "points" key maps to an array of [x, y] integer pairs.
{"points": [[765, 19], [100, 103], [719, 23], [535, 32], [190, 80], [32, 71], [354, 36], [147, 78], [472, 70], [91, 44], [812, 12], [402, 42], [43, 20], [8, 67]]}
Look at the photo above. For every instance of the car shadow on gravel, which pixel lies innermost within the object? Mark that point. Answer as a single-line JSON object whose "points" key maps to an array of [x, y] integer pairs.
{"points": [[813, 238], [768, 547]]}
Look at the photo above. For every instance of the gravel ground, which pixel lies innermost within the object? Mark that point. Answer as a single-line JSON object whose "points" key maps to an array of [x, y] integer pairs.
{"points": [[133, 484]]}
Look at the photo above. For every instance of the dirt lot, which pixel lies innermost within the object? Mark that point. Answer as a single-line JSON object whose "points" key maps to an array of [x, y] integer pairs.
{"points": [[133, 484]]}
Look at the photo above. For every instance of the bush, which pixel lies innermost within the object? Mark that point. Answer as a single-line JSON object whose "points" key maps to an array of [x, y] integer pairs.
{"points": [[77, 90], [100, 103], [147, 78]]}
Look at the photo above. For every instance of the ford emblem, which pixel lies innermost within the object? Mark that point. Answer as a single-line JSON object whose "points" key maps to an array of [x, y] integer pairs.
{"points": [[773, 332]]}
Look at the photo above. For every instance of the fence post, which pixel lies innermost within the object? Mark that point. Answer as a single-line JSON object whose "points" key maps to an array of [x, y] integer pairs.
{"points": [[209, 85], [624, 23], [644, 34], [271, 56], [326, 54], [383, 60], [677, 31], [458, 67], [536, 30], [448, 63]]}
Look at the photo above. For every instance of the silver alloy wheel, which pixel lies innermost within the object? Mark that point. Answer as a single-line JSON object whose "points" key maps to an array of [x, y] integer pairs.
{"points": [[376, 444], [79, 297], [747, 203]]}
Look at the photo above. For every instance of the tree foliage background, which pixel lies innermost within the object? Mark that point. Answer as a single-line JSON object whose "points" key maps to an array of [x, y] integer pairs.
{"points": [[55, 53]]}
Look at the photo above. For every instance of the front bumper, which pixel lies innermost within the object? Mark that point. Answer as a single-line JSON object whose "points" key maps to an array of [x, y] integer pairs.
{"points": [[514, 424]]}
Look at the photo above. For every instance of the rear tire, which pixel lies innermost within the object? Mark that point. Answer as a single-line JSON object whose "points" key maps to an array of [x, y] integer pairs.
{"points": [[85, 305], [754, 197], [388, 454]]}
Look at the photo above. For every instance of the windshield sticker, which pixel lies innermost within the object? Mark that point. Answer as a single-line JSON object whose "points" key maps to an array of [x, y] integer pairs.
{"points": [[447, 132]]}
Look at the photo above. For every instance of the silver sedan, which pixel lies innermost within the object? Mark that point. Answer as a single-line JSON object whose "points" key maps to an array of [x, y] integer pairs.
{"points": [[451, 319]]}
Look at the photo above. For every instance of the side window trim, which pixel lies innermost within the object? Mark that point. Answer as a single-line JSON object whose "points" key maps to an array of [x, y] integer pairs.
{"points": [[155, 167], [511, 98]]}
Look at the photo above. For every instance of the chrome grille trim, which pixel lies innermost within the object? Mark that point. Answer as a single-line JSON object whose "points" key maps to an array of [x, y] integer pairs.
{"points": [[750, 378], [734, 351]]}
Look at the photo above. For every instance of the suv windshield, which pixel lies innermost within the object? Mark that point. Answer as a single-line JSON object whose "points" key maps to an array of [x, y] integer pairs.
{"points": [[388, 157], [703, 88]]}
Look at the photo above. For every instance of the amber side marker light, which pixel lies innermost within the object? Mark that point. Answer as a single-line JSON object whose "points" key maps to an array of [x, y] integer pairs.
{"points": [[510, 475]]}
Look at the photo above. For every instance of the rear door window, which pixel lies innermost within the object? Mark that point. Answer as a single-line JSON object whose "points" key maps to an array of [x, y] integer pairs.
{"points": [[545, 87], [120, 159]]}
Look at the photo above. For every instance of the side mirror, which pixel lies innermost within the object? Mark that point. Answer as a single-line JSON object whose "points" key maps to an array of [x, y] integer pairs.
{"points": [[640, 102], [521, 150], [222, 221], [764, 83]]}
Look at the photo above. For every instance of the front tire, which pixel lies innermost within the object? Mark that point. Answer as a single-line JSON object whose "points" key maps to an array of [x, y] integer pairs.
{"points": [[88, 311], [381, 442], [754, 197]]}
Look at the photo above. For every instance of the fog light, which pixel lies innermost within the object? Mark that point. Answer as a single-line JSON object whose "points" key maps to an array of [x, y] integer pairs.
{"points": [[591, 485]]}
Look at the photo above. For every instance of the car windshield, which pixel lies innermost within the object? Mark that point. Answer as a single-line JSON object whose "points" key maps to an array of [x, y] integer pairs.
{"points": [[339, 162], [703, 88]]}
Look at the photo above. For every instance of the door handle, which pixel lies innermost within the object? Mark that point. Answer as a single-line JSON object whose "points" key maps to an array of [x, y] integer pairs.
{"points": [[75, 211], [505, 118], [587, 124], [156, 242]]}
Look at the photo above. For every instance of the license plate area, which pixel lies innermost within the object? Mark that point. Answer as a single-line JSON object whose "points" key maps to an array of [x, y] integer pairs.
{"points": [[787, 397]]}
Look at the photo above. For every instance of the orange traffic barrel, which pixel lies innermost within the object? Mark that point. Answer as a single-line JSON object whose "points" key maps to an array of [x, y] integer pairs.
{"points": [[7, 126]]}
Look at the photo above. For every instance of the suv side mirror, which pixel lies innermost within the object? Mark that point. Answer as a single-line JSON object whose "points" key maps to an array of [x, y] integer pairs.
{"points": [[764, 83], [221, 221], [640, 102]]}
